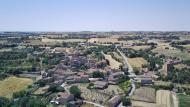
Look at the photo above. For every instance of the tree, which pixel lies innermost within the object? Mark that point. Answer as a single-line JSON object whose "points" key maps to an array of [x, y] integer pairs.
{"points": [[126, 101], [75, 91], [97, 74], [56, 88], [4, 102], [136, 71], [41, 83]]}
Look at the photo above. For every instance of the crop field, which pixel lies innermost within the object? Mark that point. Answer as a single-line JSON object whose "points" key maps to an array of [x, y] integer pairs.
{"points": [[39, 42], [113, 89], [103, 40], [113, 63], [41, 90], [143, 47], [173, 52], [13, 84], [164, 98], [93, 95], [144, 104], [145, 94], [137, 62], [115, 56], [87, 105], [180, 66], [46, 40], [184, 100]]}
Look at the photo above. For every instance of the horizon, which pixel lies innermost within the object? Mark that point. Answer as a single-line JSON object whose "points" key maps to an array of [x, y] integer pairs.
{"points": [[97, 16]]}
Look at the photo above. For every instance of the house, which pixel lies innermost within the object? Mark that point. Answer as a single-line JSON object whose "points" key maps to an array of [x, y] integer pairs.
{"points": [[64, 98], [146, 82], [100, 84], [114, 101], [115, 77], [144, 79], [48, 79], [168, 66], [77, 79]]}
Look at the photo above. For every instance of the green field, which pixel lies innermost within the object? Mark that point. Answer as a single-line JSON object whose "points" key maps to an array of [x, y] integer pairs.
{"points": [[13, 84], [184, 100], [125, 86]]}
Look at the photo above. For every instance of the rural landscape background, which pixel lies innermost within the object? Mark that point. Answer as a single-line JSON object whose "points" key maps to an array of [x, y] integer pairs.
{"points": [[100, 53]]}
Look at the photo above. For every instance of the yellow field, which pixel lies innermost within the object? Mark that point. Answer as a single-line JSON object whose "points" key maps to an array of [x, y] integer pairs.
{"points": [[113, 63], [137, 62], [138, 47], [180, 66], [103, 40], [13, 84], [46, 40]]}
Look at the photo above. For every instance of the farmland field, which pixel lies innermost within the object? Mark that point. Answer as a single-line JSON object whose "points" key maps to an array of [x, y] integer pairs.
{"points": [[180, 66], [184, 100], [13, 84], [173, 52], [45, 40], [164, 98], [137, 62], [103, 40], [138, 47], [41, 90], [93, 95], [145, 94], [87, 105], [113, 63]]}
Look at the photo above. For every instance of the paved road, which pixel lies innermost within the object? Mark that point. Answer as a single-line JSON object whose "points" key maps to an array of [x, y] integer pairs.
{"points": [[130, 70], [95, 104]]}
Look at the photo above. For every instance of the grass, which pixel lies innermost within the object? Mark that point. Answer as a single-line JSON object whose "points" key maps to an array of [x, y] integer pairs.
{"points": [[125, 86], [173, 53], [13, 84], [137, 62], [184, 100]]}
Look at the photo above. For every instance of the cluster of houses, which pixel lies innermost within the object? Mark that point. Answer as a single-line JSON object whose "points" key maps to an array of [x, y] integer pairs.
{"points": [[76, 67], [69, 72]]}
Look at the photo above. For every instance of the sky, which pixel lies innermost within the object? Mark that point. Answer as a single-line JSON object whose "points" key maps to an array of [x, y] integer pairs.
{"points": [[94, 15]]}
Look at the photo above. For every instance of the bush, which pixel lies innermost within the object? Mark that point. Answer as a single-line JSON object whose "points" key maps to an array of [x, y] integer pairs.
{"points": [[75, 91], [41, 83], [4, 102], [98, 74], [56, 88], [126, 101], [19, 94]]}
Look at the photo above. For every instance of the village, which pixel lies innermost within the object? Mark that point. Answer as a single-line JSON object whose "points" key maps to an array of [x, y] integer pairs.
{"points": [[100, 71]]}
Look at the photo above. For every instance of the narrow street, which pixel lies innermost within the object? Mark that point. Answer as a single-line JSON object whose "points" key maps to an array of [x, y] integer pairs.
{"points": [[130, 70]]}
